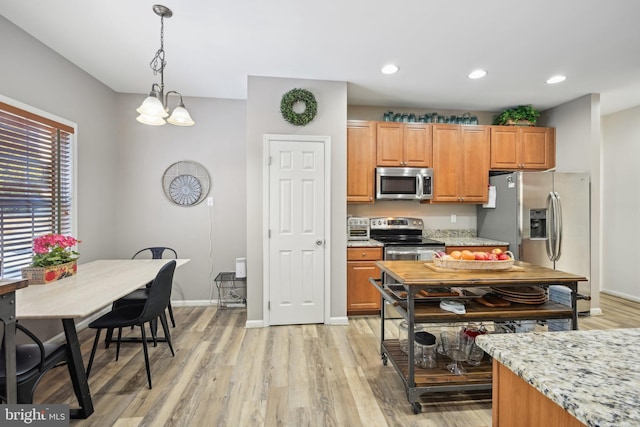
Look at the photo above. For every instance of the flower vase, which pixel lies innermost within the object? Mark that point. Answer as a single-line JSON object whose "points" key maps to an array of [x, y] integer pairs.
{"points": [[44, 275]]}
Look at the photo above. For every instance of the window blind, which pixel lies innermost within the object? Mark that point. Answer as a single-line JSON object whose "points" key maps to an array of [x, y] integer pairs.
{"points": [[35, 184]]}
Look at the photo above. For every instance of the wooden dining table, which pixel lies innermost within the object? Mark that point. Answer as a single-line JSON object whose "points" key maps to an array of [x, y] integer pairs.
{"points": [[96, 285]]}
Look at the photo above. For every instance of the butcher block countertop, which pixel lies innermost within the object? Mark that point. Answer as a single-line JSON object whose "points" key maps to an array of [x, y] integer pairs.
{"points": [[412, 273], [591, 374]]}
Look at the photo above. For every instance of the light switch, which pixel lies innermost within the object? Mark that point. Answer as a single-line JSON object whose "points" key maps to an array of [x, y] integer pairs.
{"points": [[453, 218]]}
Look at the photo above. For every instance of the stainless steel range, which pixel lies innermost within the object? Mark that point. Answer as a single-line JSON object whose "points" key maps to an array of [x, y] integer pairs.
{"points": [[403, 240]]}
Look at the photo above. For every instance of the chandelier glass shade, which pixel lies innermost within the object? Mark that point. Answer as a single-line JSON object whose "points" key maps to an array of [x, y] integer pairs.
{"points": [[154, 109]]}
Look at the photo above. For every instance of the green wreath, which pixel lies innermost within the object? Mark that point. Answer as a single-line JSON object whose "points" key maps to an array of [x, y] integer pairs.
{"points": [[298, 95]]}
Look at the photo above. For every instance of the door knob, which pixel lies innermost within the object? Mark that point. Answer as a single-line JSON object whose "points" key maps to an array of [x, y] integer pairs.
{"points": [[318, 242]]}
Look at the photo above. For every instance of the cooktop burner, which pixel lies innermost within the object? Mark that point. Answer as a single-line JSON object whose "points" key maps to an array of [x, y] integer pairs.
{"points": [[400, 231]]}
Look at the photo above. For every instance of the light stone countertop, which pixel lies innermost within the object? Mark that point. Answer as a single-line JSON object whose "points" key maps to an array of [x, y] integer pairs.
{"points": [[469, 241], [593, 375], [364, 244]]}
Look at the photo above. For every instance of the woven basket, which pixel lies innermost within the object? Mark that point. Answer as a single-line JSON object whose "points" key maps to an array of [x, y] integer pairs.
{"points": [[462, 264]]}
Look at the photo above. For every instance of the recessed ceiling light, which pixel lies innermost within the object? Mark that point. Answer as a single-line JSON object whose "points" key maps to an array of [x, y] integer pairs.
{"points": [[556, 79], [477, 74], [390, 69]]}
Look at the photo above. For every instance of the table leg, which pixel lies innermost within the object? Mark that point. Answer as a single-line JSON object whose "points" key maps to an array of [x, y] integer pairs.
{"points": [[77, 372], [8, 317]]}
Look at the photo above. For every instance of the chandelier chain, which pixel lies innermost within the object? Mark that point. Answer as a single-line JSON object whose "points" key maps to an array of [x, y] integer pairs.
{"points": [[158, 63]]}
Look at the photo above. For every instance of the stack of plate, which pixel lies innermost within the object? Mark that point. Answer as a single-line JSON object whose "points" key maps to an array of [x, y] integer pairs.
{"points": [[522, 294]]}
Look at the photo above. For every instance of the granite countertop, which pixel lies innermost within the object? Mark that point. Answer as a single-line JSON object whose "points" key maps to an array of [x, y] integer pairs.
{"points": [[364, 243], [470, 241], [591, 374]]}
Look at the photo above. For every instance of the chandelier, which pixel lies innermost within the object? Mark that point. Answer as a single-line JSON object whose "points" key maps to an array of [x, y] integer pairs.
{"points": [[155, 108]]}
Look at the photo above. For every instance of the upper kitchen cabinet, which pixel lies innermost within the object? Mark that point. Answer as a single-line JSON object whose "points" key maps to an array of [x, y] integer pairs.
{"points": [[460, 163], [403, 144], [361, 161], [522, 148]]}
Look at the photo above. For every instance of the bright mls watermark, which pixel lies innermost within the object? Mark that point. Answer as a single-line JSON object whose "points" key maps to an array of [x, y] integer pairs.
{"points": [[34, 415]]}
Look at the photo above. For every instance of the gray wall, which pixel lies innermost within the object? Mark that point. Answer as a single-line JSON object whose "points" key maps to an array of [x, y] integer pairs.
{"points": [[263, 117], [121, 206], [621, 204], [579, 149], [211, 236]]}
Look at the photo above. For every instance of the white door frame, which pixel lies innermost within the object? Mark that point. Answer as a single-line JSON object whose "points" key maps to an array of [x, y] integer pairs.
{"points": [[326, 140]]}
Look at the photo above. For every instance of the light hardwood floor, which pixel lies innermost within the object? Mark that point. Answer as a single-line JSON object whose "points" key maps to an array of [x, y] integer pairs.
{"points": [[314, 375]]}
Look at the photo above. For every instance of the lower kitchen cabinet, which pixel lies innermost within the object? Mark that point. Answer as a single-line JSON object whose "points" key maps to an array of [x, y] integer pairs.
{"points": [[362, 298], [518, 403]]}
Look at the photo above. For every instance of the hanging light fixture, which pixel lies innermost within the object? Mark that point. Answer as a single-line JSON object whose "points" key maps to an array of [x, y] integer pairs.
{"points": [[154, 108]]}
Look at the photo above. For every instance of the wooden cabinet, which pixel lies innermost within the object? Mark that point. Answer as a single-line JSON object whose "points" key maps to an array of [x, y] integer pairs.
{"points": [[460, 163], [361, 161], [517, 403], [522, 148], [362, 298], [403, 144]]}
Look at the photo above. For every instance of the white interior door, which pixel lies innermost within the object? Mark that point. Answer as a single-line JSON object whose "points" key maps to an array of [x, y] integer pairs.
{"points": [[296, 236]]}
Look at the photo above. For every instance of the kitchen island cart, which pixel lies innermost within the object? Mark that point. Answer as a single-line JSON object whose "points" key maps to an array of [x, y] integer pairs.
{"points": [[414, 276]]}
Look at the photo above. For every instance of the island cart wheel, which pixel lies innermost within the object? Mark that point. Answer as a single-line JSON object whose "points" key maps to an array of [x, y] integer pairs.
{"points": [[417, 407], [385, 360]]}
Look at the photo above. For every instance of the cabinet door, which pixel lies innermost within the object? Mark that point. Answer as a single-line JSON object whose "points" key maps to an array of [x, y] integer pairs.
{"points": [[447, 166], [474, 150], [389, 144], [362, 297], [535, 148], [504, 147], [361, 161], [417, 145]]}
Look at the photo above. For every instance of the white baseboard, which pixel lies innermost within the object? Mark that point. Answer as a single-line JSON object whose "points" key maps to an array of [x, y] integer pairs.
{"points": [[338, 321], [194, 303], [254, 324], [621, 295]]}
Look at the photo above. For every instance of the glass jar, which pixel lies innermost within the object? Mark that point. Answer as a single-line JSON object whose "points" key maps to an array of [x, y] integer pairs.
{"points": [[425, 350], [403, 335], [477, 354]]}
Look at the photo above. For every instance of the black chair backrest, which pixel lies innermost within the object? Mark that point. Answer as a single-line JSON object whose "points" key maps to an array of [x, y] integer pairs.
{"points": [[156, 252], [159, 293], [36, 358]]}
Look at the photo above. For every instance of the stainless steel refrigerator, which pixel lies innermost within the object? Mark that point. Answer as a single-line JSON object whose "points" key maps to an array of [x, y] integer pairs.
{"points": [[545, 217]]}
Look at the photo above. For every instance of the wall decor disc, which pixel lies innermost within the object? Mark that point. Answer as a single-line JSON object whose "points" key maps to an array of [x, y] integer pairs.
{"points": [[186, 183]]}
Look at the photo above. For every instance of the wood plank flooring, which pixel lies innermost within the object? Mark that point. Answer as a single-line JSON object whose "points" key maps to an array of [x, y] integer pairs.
{"points": [[312, 375]]}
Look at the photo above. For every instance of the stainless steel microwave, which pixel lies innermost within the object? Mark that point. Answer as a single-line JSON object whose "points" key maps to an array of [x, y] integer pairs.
{"points": [[404, 183]]}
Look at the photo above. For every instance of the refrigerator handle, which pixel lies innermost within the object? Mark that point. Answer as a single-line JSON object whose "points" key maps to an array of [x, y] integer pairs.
{"points": [[550, 228], [558, 220]]}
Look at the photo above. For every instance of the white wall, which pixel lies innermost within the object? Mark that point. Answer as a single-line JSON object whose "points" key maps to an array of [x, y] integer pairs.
{"points": [[579, 149], [263, 117], [621, 204]]}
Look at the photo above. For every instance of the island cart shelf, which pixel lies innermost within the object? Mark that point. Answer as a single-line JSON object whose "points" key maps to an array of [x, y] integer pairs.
{"points": [[414, 277]]}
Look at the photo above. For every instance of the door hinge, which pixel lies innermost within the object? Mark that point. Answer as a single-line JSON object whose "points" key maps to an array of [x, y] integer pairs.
{"points": [[269, 234], [269, 161], [269, 305]]}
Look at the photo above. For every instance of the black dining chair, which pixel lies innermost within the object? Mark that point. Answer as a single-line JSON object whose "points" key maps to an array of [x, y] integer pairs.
{"points": [[138, 315], [33, 361], [139, 295]]}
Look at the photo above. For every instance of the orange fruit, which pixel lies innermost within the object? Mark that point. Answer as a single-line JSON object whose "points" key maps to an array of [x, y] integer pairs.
{"points": [[456, 255], [468, 255]]}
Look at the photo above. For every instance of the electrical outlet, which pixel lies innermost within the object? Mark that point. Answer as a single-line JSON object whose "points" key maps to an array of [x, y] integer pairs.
{"points": [[209, 201], [453, 218]]}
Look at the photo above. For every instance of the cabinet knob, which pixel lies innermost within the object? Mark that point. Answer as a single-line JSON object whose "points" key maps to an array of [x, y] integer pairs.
{"points": [[364, 254]]}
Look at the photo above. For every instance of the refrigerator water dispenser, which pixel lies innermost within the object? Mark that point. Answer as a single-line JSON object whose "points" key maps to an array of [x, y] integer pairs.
{"points": [[538, 223]]}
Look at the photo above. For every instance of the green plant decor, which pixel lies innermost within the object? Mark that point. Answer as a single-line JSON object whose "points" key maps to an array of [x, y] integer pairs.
{"points": [[517, 114], [298, 95]]}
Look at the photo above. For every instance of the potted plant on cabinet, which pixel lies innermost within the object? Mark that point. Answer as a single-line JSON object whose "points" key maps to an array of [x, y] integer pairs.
{"points": [[523, 115]]}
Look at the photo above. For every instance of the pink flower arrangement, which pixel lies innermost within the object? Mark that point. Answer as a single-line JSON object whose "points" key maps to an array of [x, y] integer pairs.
{"points": [[53, 249]]}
